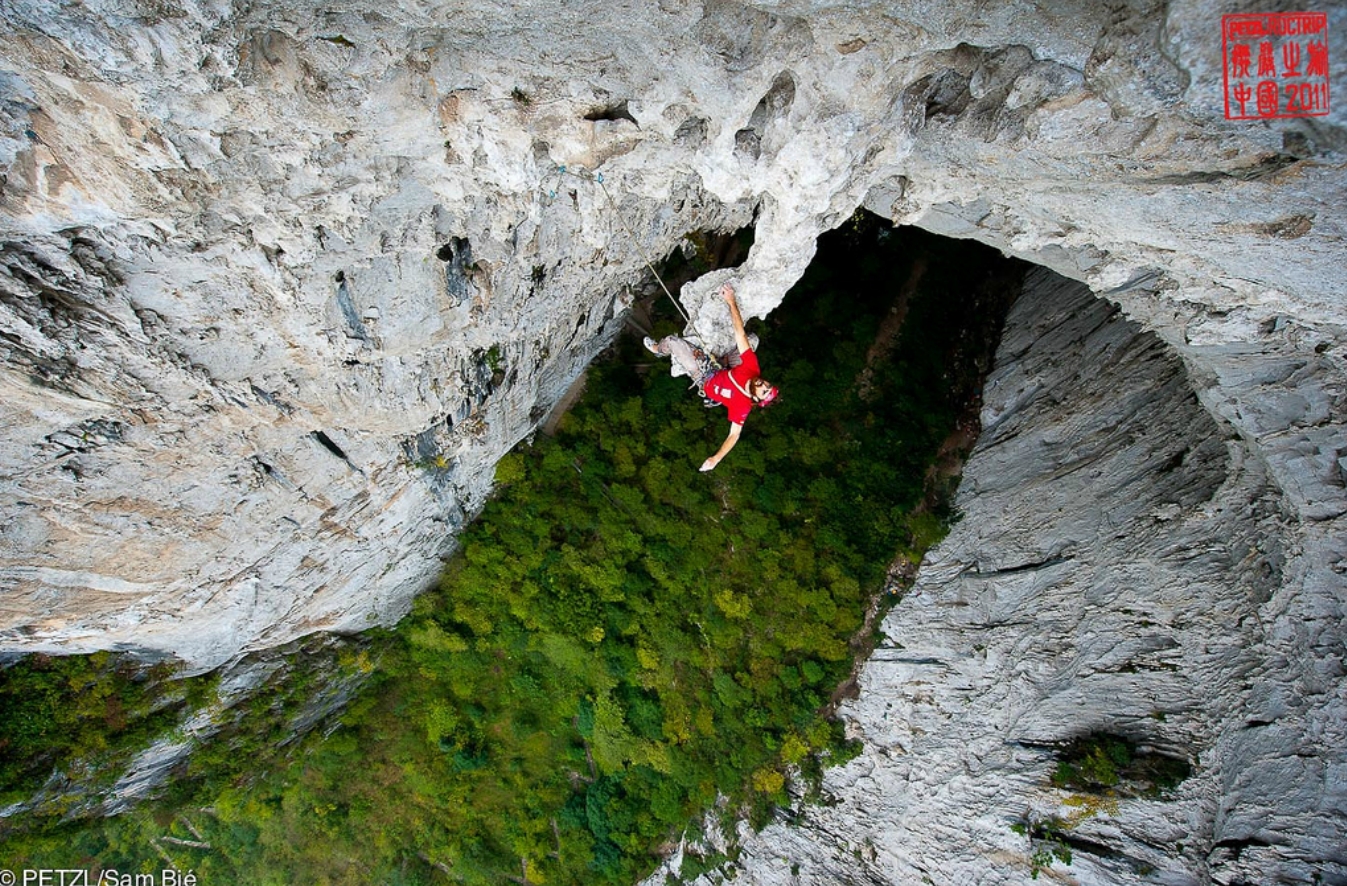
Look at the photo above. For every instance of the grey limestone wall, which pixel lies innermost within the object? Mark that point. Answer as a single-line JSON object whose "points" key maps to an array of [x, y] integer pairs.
{"points": [[279, 283], [1124, 564]]}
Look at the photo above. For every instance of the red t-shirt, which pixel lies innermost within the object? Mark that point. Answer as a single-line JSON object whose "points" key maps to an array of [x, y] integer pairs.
{"points": [[719, 387]]}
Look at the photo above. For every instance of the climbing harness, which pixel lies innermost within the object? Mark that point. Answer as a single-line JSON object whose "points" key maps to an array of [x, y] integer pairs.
{"points": [[597, 178], [707, 366]]}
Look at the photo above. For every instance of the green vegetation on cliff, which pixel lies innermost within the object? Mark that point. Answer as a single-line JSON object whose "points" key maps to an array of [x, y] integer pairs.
{"points": [[623, 642], [84, 717]]}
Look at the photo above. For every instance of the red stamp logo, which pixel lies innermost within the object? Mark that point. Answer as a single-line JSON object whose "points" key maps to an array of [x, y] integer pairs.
{"points": [[1276, 65]]}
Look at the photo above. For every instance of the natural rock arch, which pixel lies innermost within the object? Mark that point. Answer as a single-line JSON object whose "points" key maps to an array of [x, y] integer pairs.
{"points": [[223, 241]]}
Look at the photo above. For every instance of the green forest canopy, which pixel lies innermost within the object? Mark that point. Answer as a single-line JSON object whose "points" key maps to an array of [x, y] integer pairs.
{"points": [[622, 640]]}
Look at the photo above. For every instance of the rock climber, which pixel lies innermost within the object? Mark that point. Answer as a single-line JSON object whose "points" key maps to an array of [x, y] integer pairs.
{"points": [[739, 388]]}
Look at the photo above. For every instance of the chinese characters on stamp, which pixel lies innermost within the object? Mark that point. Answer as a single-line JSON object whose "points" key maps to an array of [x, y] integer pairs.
{"points": [[1276, 65]]}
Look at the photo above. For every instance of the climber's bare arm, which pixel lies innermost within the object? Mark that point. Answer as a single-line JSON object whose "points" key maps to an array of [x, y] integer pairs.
{"points": [[740, 336], [735, 431]]}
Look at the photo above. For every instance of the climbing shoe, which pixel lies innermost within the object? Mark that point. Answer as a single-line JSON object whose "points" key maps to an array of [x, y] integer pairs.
{"points": [[652, 347]]}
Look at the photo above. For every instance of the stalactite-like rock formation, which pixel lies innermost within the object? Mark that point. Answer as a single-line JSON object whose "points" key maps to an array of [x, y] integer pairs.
{"points": [[278, 286]]}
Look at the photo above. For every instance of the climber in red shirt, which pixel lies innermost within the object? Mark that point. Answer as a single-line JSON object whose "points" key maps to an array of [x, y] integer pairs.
{"points": [[738, 388]]}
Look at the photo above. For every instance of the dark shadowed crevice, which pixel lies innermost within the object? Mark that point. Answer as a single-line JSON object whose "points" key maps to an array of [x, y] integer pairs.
{"points": [[323, 440], [458, 268], [704, 251], [612, 112]]}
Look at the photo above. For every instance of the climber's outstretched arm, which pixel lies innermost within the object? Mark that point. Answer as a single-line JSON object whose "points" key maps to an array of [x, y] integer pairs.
{"points": [[740, 337], [735, 431]]}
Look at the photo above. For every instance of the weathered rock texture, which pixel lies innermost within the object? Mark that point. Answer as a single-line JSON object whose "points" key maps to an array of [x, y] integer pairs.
{"points": [[279, 285], [1124, 564]]}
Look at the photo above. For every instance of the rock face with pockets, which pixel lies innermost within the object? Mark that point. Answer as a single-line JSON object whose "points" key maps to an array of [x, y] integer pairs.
{"points": [[279, 285]]}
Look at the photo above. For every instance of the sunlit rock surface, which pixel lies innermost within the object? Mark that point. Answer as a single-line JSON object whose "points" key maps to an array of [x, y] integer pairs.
{"points": [[279, 284]]}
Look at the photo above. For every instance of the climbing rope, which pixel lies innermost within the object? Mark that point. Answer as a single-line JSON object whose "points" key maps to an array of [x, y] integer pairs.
{"points": [[597, 177]]}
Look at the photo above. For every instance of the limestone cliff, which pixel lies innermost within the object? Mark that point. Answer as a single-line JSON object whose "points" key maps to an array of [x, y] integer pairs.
{"points": [[279, 285], [1124, 564]]}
